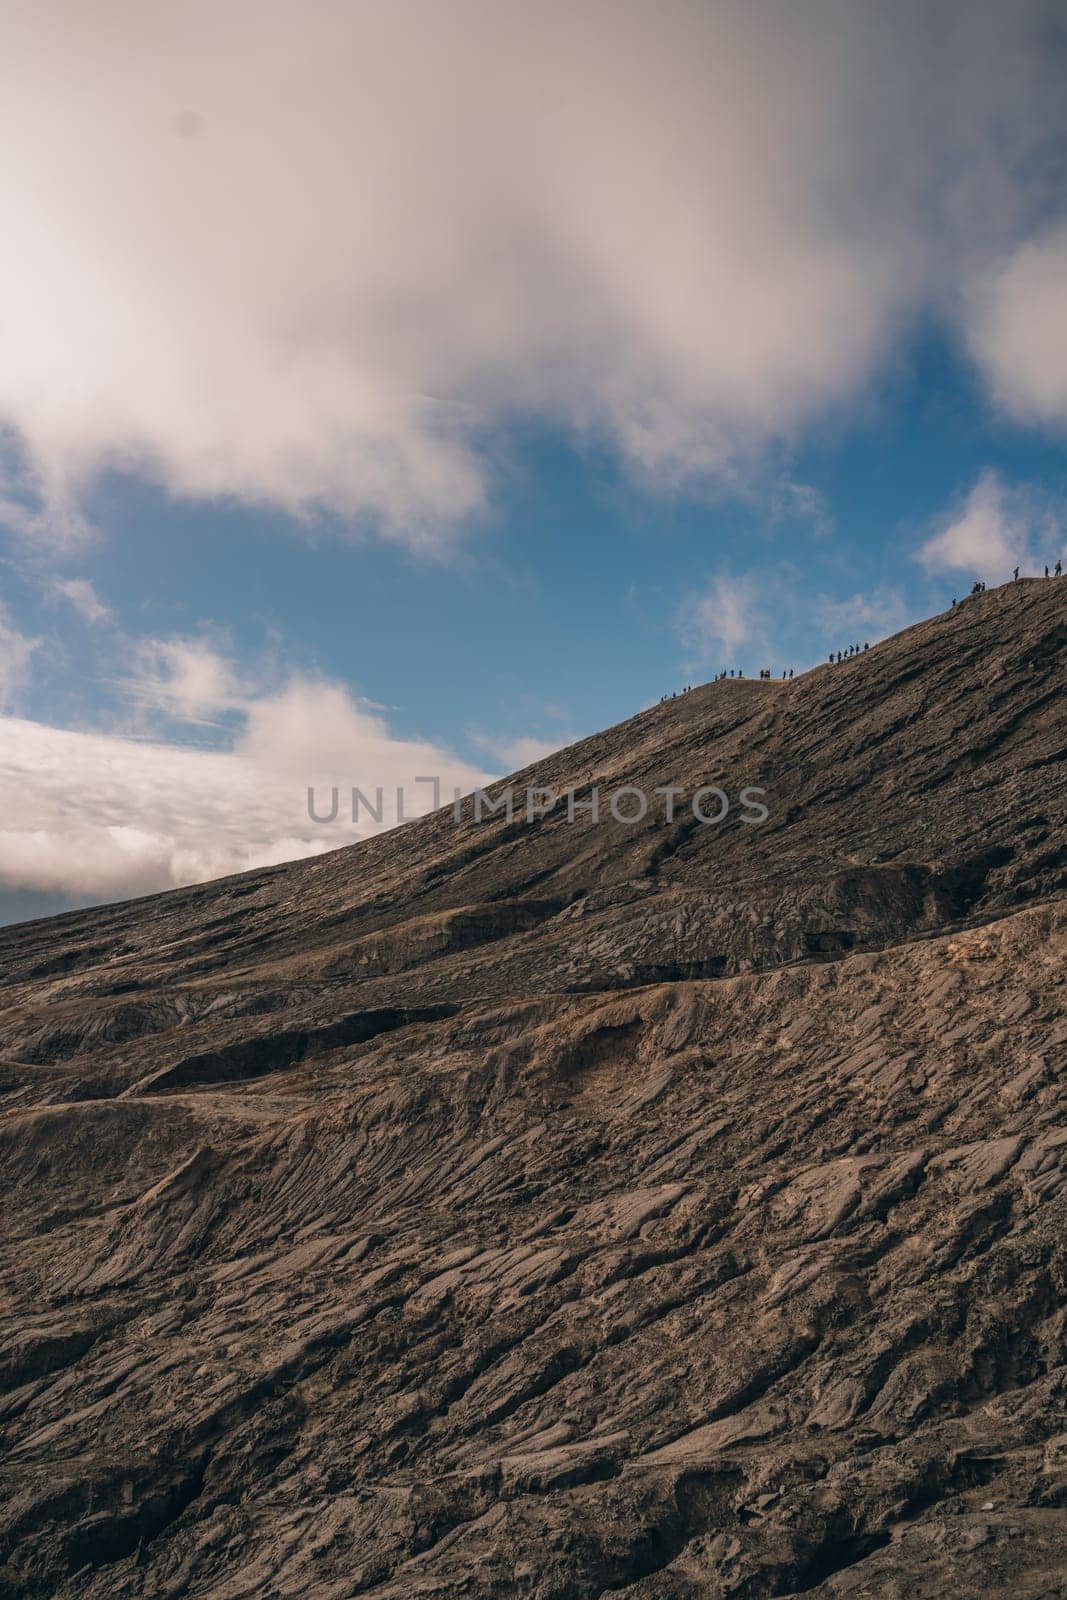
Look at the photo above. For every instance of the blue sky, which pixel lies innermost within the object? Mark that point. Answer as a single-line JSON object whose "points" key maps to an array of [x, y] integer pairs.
{"points": [[569, 604], [442, 457]]}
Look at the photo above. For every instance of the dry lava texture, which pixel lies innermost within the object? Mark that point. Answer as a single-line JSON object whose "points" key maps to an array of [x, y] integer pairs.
{"points": [[573, 1211]]}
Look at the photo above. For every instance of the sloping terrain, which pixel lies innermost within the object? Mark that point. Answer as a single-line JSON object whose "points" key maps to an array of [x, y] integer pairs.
{"points": [[566, 1210]]}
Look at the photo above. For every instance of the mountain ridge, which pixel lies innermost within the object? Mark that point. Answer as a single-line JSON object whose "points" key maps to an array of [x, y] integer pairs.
{"points": [[569, 1209]]}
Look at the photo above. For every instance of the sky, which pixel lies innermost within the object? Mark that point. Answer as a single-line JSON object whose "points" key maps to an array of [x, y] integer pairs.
{"points": [[393, 390]]}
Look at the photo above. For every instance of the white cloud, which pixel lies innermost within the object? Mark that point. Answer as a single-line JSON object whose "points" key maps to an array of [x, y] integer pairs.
{"points": [[80, 594], [726, 618], [770, 619], [1018, 330], [863, 617], [186, 679], [314, 259], [314, 729], [93, 816], [89, 815], [998, 527], [802, 502], [15, 652]]}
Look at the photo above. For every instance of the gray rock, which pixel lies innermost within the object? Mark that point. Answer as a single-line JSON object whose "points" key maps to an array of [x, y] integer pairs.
{"points": [[566, 1211]]}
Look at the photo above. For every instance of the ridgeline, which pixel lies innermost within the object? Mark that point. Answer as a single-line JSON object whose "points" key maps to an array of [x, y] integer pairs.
{"points": [[565, 1209]]}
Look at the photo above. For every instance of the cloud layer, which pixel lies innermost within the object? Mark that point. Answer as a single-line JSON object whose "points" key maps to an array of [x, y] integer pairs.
{"points": [[1019, 330], [16, 651], [93, 816], [314, 257], [998, 527], [735, 616]]}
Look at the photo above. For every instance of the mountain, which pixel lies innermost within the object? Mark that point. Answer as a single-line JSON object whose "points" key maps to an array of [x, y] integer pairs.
{"points": [[571, 1208]]}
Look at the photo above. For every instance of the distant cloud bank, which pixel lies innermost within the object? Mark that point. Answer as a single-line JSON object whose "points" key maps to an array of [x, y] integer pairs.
{"points": [[91, 816]]}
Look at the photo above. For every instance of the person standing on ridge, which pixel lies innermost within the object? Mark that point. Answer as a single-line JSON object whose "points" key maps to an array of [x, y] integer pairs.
{"points": [[1059, 569], [1015, 574]]}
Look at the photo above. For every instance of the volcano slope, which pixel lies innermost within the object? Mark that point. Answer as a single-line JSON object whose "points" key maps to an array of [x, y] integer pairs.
{"points": [[568, 1210]]}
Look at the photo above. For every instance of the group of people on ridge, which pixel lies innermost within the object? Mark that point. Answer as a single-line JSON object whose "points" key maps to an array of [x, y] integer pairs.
{"points": [[978, 587], [764, 672]]}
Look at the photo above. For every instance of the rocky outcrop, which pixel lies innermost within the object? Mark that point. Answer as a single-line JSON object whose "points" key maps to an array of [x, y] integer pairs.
{"points": [[559, 1210]]}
